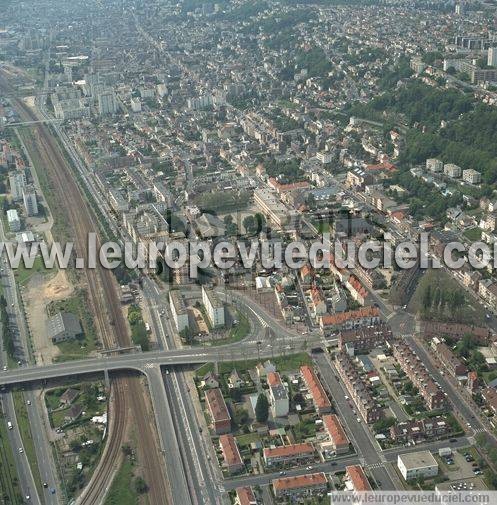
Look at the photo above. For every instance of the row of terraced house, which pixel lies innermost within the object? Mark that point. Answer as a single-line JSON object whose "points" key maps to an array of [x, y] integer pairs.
{"points": [[411, 364]]}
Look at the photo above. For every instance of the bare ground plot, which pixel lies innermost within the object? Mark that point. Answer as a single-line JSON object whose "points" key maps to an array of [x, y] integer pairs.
{"points": [[38, 293]]}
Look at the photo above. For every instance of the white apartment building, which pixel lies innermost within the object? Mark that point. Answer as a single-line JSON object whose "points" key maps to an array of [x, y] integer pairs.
{"points": [[324, 157], [471, 176], [213, 307], [136, 105], [416, 465], [107, 103], [17, 181], [452, 170], [492, 57], [434, 165], [13, 220], [178, 310], [30, 202]]}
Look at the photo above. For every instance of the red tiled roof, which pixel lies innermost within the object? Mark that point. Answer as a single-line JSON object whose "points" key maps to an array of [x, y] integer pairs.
{"points": [[245, 495], [342, 317], [358, 478], [217, 405], [335, 430], [287, 187], [288, 450], [273, 378], [355, 283], [382, 166], [230, 450], [315, 387], [302, 481]]}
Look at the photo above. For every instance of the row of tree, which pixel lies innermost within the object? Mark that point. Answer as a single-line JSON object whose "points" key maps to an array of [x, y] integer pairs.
{"points": [[7, 336]]}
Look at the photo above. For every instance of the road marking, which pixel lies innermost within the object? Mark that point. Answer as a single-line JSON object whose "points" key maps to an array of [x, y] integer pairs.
{"points": [[258, 316], [375, 466]]}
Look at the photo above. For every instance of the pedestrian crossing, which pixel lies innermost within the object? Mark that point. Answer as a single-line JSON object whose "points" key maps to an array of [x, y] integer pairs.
{"points": [[260, 319], [375, 466]]}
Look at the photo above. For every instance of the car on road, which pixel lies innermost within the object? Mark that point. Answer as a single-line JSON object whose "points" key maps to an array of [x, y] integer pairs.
{"points": [[45, 485], [358, 419], [9, 425], [282, 473], [21, 450], [5, 368], [452, 440], [28, 402], [308, 467]]}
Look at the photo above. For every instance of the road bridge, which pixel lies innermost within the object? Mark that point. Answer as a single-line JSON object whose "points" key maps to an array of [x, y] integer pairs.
{"points": [[141, 362]]}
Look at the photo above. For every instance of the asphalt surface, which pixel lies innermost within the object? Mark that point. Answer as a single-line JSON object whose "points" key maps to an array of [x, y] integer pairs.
{"points": [[367, 447], [285, 340], [189, 470], [41, 444]]}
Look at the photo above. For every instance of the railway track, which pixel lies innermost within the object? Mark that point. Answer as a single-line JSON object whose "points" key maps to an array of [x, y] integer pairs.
{"points": [[127, 393]]}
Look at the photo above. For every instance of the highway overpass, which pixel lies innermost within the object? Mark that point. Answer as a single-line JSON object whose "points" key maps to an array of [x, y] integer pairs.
{"points": [[140, 361]]}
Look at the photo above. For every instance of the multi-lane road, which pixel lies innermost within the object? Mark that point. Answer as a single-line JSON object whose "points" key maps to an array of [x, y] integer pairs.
{"points": [[18, 327]]}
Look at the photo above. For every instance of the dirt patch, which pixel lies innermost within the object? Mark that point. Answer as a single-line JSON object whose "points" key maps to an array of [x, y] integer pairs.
{"points": [[58, 287], [38, 293]]}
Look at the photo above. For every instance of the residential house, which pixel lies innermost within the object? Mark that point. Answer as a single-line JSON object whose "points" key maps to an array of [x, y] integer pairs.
{"points": [[280, 404], [210, 380], [358, 292], [218, 411], [289, 454], [356, 480], [415, 369], [417, 430], [245, 496], [490, 396], [364, 339], [358, 389], [68, 396], [234, 380], [232, 461], [336, 433], [453, 364], [297, 489], [365, 316], [320, 399]]}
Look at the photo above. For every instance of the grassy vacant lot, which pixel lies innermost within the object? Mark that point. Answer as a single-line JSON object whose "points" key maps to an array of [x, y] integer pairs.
{"points": [[122, 491], [27, 437], [237, 333], [59, 229], [473, 234], [23, 274], [283, 364], [9, 482]]}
